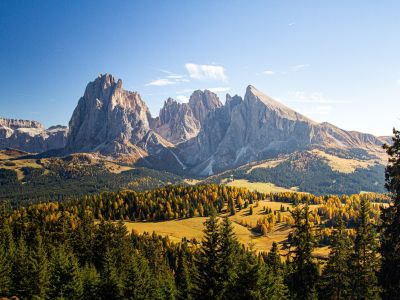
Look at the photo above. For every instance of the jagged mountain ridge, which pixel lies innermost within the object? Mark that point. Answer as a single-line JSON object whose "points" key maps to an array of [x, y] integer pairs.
{"points": [[31, 136], [258, 127], [201, 137]]}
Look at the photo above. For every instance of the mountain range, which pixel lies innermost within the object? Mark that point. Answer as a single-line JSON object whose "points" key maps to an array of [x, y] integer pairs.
{"points": [[203, 137]]}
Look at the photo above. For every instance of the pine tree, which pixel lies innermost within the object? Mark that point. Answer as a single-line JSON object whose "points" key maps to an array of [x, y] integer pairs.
{"points": [[5, 271], [303, 280], [6, 258], [336, 277], [229, 247], [90, 282], [183, 280], [65, 275], [209, 264], [365, 261], [21, 271], [40, 269], [139, 282], [390, 237], [274, 259], [270, 280], [111, 285]]}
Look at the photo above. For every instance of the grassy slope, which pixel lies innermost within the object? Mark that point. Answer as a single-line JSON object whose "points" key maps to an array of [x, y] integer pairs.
{"points": [[193, 228]]}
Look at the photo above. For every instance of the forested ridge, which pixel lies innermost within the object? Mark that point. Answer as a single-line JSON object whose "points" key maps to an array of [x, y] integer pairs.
{"points": [[80, 248]]}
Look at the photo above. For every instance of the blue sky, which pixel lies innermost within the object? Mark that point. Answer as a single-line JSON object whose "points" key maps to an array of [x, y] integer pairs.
{"points": [[335, 61]]}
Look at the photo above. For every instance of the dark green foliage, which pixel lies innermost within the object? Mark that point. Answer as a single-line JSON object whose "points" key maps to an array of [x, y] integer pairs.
{"points": [[40, 269], [303, 281], [90, 283], [65, 278], [209, 261], [62, 182], [336, 279], [365, 261], [111, 283], [390, 238], [183, 279]]}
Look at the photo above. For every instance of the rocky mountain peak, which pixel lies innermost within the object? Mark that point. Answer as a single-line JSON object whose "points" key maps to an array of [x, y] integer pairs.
{"points": [[202, 102], [110, 120], [253, 95]]}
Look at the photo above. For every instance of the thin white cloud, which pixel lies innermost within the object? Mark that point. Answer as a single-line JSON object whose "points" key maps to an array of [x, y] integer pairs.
{"points": [[182, 98], [219, 89], [268, 72], [206, 72], [398, 81], [170, 79], [299, 67], [161, 82]]}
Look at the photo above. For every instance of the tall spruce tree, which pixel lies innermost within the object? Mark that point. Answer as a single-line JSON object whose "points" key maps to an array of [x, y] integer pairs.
{"points": [[209, 263], [390, 237], [270, 282], [303, 281], [40, 269], [336, 281], [7, 249], [5, 271], [65, 275], [21, 271], [111, 284], [183, 280], [365, 260], [90, 282], [229, 247]]}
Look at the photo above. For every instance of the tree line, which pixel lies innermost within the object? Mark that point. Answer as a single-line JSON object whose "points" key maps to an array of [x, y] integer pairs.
{"points": [[60, 251]]}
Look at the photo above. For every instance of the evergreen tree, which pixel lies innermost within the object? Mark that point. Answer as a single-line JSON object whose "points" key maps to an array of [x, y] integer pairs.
{"points": [[304, 279], [335, 283], [65, 275], [271, 278], [111, 285], [248, 268], [90, 282], [274, 259], [21, 271], [40, 269], [139, 282], [5, 271], [390, 237], [209, 264], [229, 258], [183, 280], [7, 251], [365, 261]]}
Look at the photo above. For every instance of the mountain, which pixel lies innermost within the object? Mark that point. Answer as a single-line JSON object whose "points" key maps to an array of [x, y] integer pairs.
{"points": [[258, 127], [205, 137], [31, 136], [113, 122], [179, 122]]}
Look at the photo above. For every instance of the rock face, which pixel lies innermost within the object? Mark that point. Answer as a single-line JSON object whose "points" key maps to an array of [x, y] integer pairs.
{"points": [[113, 122], [201, 137], [257, 128], [179, 122], [31, 136]]}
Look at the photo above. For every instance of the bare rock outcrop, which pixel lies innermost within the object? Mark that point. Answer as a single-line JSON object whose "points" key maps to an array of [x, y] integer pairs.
{"points": [[31, 136], [179, 122], [112, 122]]}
